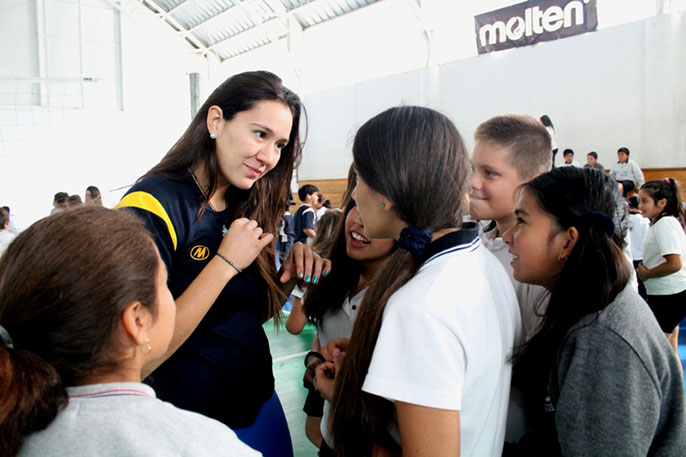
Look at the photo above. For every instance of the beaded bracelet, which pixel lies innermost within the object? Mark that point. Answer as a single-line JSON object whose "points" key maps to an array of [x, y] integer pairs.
{"points": [[229, 262]]}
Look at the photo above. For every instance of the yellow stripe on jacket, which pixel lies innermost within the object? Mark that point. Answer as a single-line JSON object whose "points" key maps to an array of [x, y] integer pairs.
{"points": [[147, 202]]}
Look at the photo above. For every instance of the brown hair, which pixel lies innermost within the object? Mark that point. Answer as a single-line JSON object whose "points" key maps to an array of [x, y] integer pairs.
{"points": [[405, 154], [326, 231], [4, 218], [526, 138], [64, 283], [265, 200]]}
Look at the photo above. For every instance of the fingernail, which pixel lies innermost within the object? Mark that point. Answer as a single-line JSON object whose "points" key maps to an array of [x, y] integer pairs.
{"points": [[307, 278], [315, 280], [300, 274], [326, 273]]}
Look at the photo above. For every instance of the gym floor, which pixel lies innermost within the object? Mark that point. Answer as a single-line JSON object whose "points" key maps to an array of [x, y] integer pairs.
{"points": [[288, 352]]}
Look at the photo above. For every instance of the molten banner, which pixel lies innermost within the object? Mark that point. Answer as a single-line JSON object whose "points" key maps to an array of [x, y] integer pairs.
{"points": [[534, 21]]}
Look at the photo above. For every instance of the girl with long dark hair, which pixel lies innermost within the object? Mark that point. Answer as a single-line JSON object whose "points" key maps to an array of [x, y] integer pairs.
{"points": [[663, 268], [334, 303], [426, 371], [213, 204], [85, 314], [598, 378]]}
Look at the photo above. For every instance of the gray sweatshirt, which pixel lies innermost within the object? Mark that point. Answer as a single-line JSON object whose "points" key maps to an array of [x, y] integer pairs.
{"points": [[126, 420], [617, 389]]}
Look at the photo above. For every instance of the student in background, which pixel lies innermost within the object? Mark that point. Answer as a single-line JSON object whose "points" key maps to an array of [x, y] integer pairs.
{"points": [[6, 236], [305, 218], [663, 269], [59, 202], [426, 367], [286, 233], [85, 313], [568, 155], [548, 124], [74, 201], [93, 196], [626, 172], [592, 162], [638, 228], [598, 378]]}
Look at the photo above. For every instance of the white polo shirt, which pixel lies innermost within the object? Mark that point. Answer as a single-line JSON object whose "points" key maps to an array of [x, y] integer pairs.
{"points": [[665, 237], [446, 338], [335, 325]]}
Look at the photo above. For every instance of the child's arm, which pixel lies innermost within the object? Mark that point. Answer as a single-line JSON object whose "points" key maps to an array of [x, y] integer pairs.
{"points": [[673, 263], [297, 319]]}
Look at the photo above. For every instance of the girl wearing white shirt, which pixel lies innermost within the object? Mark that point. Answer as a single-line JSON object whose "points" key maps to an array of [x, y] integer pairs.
{"points": [[663, 269], [334, 303], [426, 371]]}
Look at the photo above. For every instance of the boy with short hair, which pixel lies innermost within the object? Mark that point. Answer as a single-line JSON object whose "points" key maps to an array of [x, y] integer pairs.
{"points": [[592, 162], [509, 151], [568, 155], [305, 219]]}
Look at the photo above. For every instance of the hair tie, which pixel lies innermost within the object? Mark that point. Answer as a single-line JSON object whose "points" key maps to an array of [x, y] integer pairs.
{"points": [[5, 337], [414, 239], [599, 219], [668, 181]]}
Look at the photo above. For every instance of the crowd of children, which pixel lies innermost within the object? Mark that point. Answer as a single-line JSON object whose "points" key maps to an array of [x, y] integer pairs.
{"points": [[498, 318]]}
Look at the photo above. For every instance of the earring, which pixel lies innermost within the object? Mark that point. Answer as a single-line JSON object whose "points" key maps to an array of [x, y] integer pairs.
{"points": [[149, 348], [383, 205], [213, 136]]}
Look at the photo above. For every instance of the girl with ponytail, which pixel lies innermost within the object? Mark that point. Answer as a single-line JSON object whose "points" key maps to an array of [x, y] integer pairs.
{"points": [[426, 370], [598, 378], [663, 268], [85, 314]]}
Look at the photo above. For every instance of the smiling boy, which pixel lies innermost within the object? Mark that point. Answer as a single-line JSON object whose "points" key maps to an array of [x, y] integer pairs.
{"points": [[509, 151]]}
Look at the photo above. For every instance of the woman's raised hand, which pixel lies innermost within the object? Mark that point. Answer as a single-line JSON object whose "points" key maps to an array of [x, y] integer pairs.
{"points": [[243, 242], [305, 264]]}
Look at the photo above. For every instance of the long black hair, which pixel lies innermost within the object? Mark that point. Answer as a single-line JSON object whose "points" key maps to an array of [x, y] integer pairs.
{"points": [[265, 200], [668, 189], [405, 154], [595, 272]]}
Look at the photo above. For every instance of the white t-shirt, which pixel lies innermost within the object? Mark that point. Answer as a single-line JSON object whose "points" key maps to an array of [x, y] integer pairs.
{"points": [[446, 338], [573, 164], [338, 325], [6, 237], [665, 237], [637, 233]]}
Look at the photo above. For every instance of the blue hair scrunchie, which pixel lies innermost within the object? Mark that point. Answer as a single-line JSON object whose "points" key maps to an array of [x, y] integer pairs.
{"points": [[599, 219], [414, 239]]}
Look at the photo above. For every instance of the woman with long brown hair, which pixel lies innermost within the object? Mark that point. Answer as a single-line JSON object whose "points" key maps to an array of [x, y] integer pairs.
{"points": [[426, 371], [85, 314], [213, 205]]}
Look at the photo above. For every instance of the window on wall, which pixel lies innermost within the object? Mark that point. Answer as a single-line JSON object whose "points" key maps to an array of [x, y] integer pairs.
{"points": [[60, 54]]}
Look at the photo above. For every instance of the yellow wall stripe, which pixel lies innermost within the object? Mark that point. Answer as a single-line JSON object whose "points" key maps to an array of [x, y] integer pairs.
{"points": [[147, 202]]}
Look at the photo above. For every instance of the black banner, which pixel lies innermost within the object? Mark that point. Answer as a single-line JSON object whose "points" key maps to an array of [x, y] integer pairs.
{"points": [[534, 21]]}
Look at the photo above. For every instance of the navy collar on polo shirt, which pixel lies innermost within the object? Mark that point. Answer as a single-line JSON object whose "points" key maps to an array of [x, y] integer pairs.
{"points": [[462, 239]]}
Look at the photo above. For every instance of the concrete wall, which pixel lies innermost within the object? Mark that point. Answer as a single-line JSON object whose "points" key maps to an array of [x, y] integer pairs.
{"points": [[619, 86], [68, 135]]}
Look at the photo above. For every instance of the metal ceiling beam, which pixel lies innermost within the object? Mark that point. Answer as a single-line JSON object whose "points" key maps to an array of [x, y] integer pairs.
{"points": [[177, 25], [175, 9]]}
